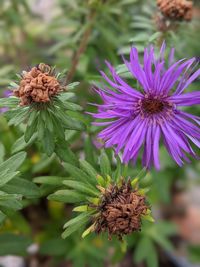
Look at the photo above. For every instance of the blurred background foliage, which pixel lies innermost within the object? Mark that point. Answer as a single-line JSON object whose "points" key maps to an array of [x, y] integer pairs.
{"points": [[77, 36]]}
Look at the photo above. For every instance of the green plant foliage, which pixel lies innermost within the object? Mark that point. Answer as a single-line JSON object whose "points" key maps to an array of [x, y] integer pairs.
{"points": [[59, 179], [12, 187]]}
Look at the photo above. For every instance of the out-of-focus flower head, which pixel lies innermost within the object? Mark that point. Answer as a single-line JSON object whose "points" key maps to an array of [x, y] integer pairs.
{"points": [[136, 120], [176, 9]]}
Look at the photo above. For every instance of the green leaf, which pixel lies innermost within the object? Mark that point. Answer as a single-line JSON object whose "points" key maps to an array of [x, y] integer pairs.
{"points": [[19, 117], [142, 249], [11, 244], [30, 128], [10, 201], [50, 180], [81, 187], [88, 168], [65, 153], [14, 162], [40, 128], [6, 176], [152, 259], [2, 217], [59, 131], [48, 142], [72, 85], [2, 152], [66, 96], [68, 122], [9, 102], [154, 37], [118, 171], [76, 173], [83, 216], [82, 208], [67, 196], [23, 187], [105, 164], [88, 231], [163, 242], [75, 224], [20, 144], [54, 247]]}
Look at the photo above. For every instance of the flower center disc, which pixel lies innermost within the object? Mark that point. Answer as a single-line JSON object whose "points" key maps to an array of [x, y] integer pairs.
{"points": [[152, 105]]}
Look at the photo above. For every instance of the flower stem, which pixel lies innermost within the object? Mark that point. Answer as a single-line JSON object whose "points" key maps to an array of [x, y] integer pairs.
{"points": [[82, 47]]}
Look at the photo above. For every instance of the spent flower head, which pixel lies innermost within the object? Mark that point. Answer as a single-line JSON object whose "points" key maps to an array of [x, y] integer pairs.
{"points": [[176, 9], [121, 208], [44, 105], [110, 202], [136, 120], [37, 85]]}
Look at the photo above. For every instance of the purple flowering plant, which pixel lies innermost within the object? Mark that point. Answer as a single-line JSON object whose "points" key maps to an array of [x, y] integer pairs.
{"points": [[139, 120]]}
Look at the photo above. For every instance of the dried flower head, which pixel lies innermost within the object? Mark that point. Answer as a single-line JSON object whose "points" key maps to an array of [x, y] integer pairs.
{"points": [[137, 120], [176, 9], [37, 85], [115, 205], [120, 210]]}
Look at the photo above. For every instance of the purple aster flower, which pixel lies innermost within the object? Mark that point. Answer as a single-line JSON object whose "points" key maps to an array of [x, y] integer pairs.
{"points": [[138, 120]]}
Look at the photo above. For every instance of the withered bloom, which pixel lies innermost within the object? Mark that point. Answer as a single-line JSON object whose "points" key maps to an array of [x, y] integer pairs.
{"points": [[37, 85], [120, 210], [176, 9]]}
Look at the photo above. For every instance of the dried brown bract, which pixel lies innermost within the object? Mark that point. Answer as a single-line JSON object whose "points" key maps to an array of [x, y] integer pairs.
{"points": [[37, 85], [176, 9], [120, 210]]}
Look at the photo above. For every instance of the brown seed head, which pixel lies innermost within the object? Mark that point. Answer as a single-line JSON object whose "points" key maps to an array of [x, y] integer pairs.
{"points": [[37, 85], [176, 9], [120, 211]]}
